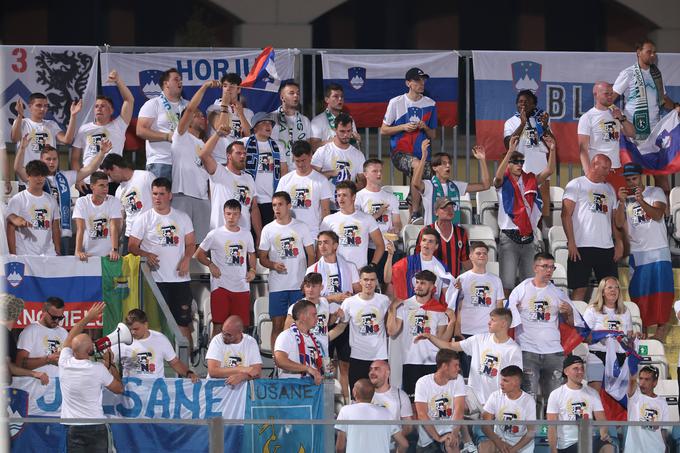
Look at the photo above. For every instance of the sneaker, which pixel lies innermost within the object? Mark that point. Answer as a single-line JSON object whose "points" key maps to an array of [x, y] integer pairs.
{"points": [[469, 448], [416, 219]]}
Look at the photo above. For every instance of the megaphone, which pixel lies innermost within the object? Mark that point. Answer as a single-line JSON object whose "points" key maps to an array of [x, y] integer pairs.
{"points": [[121, 335]]}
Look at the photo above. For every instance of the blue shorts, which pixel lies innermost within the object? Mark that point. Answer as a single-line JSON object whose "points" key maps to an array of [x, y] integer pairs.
{"points": [[279, 301]]}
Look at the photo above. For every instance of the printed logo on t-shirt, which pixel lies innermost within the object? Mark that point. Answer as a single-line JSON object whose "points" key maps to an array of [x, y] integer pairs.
{"points": [[649, 414], [577, 410], [51, 345], [344, 171], [321, 327], [167, 235], [99, 228], [598, 202], [232, 360], [144, 362], [509, 416], [613, 324], [301, 198], [440, 407], [351, 236], [234, 252], [131, 202], [243, 195], [40, 219], [368, 323], [288, 248], [637, 215], [418, 323], [40, 139], [415, 114], [266, 162], [334, 284], [539, 310], [375, 207], [609, 131], [94, 142], [489, 364], [481, 296]]}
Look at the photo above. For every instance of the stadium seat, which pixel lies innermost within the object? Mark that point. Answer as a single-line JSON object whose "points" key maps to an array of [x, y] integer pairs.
{"points": [[668, 388], [559, 277], [556, 195], [484, 234], [401, 192], [635, 315], [494, 267], [487, 209], [580, 305], [654, 353], [409, 236], [674, 209], [263, 326], [557, 241], [582, 351], [465, 208]]}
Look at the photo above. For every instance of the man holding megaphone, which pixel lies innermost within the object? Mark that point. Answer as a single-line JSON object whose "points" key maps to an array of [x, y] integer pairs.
{"points": [[81, 386]]}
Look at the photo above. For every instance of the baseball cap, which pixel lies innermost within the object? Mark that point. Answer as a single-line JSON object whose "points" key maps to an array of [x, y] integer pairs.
{"points": [[416, 73], [571, 359], [631, 169], [442, 203], [262, 116]]}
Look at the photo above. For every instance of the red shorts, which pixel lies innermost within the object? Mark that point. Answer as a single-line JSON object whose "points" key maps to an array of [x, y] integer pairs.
{"points": [[224, 303]]}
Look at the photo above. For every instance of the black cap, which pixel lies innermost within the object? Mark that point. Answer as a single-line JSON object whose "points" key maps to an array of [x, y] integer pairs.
{"points": [[416, 73], [632, 169], [570, 360]]}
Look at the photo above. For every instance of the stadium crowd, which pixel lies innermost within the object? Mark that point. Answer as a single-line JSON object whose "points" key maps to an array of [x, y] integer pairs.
{"points": [[231, 187]]}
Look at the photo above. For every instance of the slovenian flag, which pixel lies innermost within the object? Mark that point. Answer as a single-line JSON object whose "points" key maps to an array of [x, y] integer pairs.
{"points": [[659, 154], [370, 81], [263, 74]]}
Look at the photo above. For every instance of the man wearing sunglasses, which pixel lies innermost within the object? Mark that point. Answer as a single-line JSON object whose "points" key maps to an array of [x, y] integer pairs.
{"points": [[40, 343], [520, 207]]}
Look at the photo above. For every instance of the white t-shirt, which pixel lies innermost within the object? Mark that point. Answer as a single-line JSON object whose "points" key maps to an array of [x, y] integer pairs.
{"points": [[503, 408], [643, 408], [290, 133], [165, 236], [571, 405], [399, 106], [40, 341], [417, 321], [329, 157], [538, 309], [98, 220], [354, 231], [488, 359], [163, 121], [396, 401], [81, 386], [188, 174], [306, 193], [264, 178], [287, 342], [245, 353], [643, 232], [135, 196], [322, 129], [228, 250], [367, 332], [320, 330], [90, 136], [286, 244], [603, 131], [477, 298], [607, 320], [359, 436], [40, 134], [440, 400], [594, 207], [428, 193], [676, 309], [226, 185], [41, 213], [371, 202], [332, 281], [534, 150], [146, 357], [625, 86]]}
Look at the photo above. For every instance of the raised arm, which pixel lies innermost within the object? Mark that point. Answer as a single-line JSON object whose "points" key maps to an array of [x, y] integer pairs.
{"points": [[94, 164], [67, 138], [19, 169], [90, 315], [192, 107], [15, 131], [128, 99], [479, 152], [552, 151], [500, 171]]}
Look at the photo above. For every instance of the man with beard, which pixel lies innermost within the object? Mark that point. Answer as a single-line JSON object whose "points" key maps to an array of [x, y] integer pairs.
{"points": [[233, 355], [391, 398], [290, 124], [323, 124]]}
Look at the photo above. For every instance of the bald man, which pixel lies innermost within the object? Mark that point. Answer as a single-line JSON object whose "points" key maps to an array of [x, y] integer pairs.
{"points": [[594, 242], [599, 129], [391, 398], [356, 438], [81, 387], [233, 355]]}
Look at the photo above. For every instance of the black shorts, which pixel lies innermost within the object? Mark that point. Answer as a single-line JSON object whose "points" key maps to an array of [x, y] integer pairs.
{"points": [[358, 369], [410, 375], [599, 260], [341, 346], [178, 297]]}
